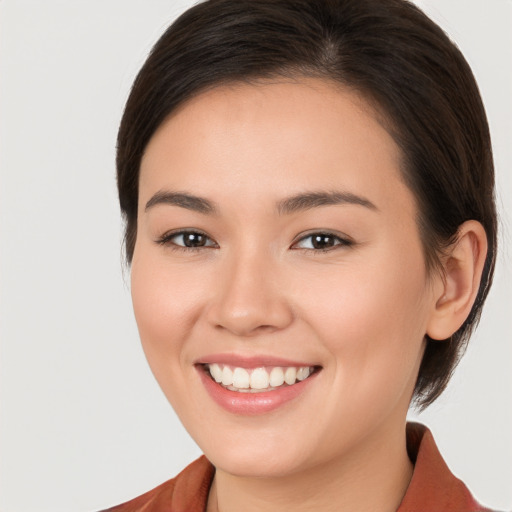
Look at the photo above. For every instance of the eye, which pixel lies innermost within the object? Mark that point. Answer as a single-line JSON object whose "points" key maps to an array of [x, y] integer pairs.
{"points": [[187, 239], [321, 242]]}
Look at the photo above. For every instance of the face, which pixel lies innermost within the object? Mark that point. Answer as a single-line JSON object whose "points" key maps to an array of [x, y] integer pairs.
{"points": [[277, 241]]}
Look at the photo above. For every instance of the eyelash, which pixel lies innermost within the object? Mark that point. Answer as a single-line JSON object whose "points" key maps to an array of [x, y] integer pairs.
{"points": [[166, 240], [339, 242]]}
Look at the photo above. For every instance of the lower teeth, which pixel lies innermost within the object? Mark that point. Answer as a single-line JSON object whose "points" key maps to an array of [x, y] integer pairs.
{"points": [[250, 390]]}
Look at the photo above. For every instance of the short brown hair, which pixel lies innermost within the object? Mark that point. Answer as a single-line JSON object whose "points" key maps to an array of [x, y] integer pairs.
{"points": [[389, 51]]}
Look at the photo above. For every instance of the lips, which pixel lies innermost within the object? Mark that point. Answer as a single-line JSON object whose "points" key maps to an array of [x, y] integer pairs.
{"points": [[254, 385]]}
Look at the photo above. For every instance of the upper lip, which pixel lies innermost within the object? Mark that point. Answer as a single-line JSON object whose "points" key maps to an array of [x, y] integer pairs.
{"points": [[252, 361]]}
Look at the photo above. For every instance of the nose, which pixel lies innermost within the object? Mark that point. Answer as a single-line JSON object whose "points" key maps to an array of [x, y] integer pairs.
{"points": [[250, 299]]}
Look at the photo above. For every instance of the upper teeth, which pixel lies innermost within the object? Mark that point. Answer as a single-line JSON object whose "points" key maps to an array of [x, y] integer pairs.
{"points": [[243, 379]]}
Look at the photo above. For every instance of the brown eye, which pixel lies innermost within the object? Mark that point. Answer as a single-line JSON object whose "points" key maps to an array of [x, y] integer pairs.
{"points": [[187, 240], [193, 239], [321, 241]]}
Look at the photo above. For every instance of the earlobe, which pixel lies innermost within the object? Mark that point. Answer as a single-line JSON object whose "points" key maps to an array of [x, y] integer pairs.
{"points": [[463, 266]]}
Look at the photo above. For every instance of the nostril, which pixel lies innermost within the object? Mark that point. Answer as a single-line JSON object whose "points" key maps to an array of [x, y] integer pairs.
{"points": [[247, 331]]}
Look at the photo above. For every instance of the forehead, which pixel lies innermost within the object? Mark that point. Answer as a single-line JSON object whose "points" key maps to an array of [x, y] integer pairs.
{"points": [[273, 137]]}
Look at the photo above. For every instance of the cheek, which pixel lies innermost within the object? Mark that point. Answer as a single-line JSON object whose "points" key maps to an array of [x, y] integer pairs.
{"points": [[166, 302], [360, 300], [373, 325]]}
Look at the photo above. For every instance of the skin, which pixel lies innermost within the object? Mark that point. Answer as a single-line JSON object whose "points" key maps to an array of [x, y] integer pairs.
{"points": [[360, 310]]}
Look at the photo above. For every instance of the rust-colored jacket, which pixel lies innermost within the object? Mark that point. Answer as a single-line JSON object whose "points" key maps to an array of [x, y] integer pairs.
{"points": [[433, 487]]}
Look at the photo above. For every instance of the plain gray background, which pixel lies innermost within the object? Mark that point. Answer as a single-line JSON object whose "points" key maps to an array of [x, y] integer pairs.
{"points": [[83, 423]]}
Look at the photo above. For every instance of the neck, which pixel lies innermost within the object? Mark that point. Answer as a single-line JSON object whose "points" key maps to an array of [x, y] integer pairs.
{"points": [[373, 477]]}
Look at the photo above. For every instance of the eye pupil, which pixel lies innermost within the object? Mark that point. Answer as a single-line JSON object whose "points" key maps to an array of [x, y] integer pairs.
{"points": [[194, 240], [322, 241]]}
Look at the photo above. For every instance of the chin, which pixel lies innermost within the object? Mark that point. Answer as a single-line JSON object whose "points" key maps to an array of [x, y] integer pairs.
{"points": [[255, 454], [253, 464]]}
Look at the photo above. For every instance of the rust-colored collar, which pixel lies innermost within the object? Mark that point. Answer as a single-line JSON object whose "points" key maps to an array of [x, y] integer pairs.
{"points": [[433, 487]]}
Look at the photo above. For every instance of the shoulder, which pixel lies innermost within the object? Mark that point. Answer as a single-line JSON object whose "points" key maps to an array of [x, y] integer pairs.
{"points": [[187, 492], [433, 486]]}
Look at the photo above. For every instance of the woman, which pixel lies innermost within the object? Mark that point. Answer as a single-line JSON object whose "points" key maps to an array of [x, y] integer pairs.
{"points": [[308, 191]]}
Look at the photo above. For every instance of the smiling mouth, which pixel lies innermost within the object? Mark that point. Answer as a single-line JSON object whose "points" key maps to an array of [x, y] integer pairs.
{"points": [[258, 380]]}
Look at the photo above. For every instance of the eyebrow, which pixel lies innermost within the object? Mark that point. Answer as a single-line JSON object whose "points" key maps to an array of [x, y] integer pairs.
{"points": [[293, 204], [308, 200], [184, 200]]}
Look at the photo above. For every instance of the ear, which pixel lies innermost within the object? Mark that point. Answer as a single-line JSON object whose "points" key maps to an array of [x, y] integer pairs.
{"points": [[458, 287]]}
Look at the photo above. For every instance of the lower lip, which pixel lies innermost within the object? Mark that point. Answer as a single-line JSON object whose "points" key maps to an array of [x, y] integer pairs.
{"points": [[252, 403]]}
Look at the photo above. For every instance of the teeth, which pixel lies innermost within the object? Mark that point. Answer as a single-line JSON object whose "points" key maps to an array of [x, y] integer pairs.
{"points": [[290, 375], [259, 379], [227, 376], [276, 377], [302, 373], [241, 379], [216, 372]]}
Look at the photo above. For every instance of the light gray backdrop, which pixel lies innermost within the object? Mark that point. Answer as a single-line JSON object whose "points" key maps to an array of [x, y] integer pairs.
{"points": [[83, 424]]}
